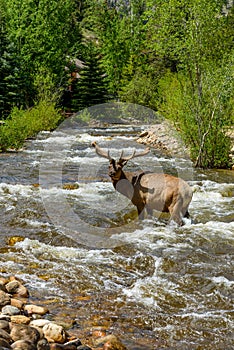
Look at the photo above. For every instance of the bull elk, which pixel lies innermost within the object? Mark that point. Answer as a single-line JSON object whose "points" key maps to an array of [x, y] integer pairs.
{"points": [[149, 191]]}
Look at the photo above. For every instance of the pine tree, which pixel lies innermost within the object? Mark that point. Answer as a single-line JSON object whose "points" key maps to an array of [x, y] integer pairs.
{"points": [[91, 88]]}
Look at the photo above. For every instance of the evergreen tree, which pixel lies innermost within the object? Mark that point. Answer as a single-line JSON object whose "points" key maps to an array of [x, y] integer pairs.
{"points": [[91, 88], [10, 80]]}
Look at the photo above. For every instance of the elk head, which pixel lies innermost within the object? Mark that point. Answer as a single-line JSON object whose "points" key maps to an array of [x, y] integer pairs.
{"points": [[115, 167]]}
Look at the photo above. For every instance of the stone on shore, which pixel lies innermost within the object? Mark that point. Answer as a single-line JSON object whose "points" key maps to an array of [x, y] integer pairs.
{"points": [[24, 332], [54, 333], [4, 298], [10, 310], [34, 309], [20, 319], [23, 345]]}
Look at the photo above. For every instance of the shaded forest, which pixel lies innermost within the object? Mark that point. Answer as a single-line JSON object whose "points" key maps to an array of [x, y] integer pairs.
{"points": [[175, 56]]}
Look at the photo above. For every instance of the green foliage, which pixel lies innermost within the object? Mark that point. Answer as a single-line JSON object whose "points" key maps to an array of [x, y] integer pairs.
{"points": [[91, 88], [142, 90], [22, 124], [201, 118]]}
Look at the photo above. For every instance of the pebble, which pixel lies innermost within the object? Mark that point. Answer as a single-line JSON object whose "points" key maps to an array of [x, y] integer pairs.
{"points": [[10, 310], [24, 332], [23, 345], [4, 344], [34, 309], [4, 298], [20, 319], [4, 325], [54, 333], [23, 328]]}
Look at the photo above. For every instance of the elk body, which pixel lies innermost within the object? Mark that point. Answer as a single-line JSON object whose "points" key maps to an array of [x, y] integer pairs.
{"points": [[149, 191]]}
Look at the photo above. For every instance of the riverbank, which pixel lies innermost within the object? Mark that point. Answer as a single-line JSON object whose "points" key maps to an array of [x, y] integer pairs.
{"points": [[25, 325], [166, 139]]}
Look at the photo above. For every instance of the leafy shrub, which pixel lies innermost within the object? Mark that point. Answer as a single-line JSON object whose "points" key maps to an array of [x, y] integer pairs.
{"points": [[22, 124], [201, 114]]}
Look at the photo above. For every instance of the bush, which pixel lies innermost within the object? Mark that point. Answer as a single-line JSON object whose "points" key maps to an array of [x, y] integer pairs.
{"points": [[201, 114], [22, 124]]}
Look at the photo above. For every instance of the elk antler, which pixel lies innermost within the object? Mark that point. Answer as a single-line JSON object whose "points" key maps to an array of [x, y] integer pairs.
{"points": [[101, 152], [134, 155]]}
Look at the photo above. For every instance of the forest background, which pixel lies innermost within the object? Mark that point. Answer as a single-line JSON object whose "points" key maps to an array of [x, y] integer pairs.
{"points": [[176, 57]]}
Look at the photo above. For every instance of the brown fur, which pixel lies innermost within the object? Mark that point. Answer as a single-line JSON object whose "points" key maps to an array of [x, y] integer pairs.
{"points": [[149, 191]]}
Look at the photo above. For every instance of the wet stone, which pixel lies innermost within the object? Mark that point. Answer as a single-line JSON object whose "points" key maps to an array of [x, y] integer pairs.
{"points": [[24, 332], [4, 325], [23, 345], [5, 335], [34, 309], [12, 286], [20, 319], [10, 310], [4, 298], [4, 344], [41, 322], [54, 333], [17, 303], [43, 344]]}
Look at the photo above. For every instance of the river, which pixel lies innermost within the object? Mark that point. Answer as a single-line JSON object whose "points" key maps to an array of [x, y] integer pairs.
{"points": [[79, 248]]}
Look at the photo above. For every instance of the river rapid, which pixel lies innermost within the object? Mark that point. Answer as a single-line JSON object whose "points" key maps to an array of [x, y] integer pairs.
{"points": [[79, 247]]}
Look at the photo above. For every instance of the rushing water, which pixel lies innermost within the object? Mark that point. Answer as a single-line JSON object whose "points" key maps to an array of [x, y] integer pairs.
{"points": [[80, 248]]}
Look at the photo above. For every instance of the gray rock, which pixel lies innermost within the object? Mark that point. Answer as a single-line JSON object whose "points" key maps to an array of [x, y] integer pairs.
{"points": [[10, 310]]}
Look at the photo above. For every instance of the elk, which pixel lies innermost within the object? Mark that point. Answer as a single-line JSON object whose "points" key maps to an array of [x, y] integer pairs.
{"points": [[149, 191]]}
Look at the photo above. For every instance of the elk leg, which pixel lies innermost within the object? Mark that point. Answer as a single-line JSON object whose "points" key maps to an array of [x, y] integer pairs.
{"points": [[141, 211], [175, 212]]}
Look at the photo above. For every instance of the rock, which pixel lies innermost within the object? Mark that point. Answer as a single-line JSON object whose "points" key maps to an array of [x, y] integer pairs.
{"points": [[5, 318], [20, 319], [24, 332], [99, 332], [22, 291], [43, 344], [17, 303], [23, 345], [4, 325], [4, 335], [111, 342], [4, 344], [34, 309], [2, 287], [54, 333], [12, 286], [39, 323], [15, 287], [4, 298], [75, 342], [83, 347], [10, 310]]}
